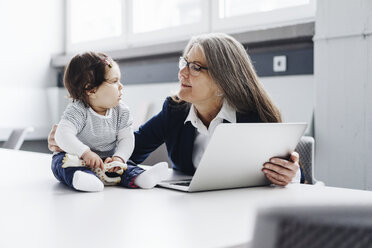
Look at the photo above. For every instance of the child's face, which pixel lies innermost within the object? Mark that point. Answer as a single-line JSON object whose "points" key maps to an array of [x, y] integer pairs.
{"points": [[108, 94]]}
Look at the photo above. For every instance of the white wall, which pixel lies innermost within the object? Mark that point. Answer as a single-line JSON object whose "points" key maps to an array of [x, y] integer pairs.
{"points": [[295, 97], [31, 31], [343, 79]]}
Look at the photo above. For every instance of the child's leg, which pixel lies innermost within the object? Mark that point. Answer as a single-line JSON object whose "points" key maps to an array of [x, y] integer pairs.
{"points": [[129, 175], [80, 178], [135, 176]]}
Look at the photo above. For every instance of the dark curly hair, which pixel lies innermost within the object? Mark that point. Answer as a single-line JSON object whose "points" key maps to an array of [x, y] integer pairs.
{"points": [[85, 72]]}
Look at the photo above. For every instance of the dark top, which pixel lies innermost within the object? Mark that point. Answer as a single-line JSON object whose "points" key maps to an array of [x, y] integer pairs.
{"points": [[168, 126]]}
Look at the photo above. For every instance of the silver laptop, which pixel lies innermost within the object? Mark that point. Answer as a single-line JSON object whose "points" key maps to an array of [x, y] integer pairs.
{"points": [[235, 155]]}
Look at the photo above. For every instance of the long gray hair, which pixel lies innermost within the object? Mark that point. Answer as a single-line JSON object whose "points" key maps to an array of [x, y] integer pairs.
{"points": [[231, 69]]}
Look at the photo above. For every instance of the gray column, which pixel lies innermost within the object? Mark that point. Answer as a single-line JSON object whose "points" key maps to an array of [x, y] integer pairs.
{"points": [[343, 104]]}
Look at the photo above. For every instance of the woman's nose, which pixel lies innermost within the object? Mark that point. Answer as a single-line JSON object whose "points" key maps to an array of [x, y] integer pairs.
{"points": [[184, 72], [120, 86]]}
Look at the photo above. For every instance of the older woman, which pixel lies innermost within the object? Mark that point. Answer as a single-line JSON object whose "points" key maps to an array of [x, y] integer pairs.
{"points": [[217, 84]]}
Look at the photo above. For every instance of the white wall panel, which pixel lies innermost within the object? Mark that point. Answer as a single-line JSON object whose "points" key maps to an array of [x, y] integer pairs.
{"points": [[368, 121], [367, 8], [294, 96], [341, 126], [342, 106], [321, 111], [335, 19]]}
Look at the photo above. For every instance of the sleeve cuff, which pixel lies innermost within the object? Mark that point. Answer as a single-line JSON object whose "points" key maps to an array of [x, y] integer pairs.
{"points": [[297, 178]]}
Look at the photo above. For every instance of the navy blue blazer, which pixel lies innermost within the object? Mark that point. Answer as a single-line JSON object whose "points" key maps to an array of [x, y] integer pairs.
{"points": [[168, 126]]}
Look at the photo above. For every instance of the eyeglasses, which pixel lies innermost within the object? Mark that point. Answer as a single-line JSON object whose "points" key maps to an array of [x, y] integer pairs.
{"points": [[194, 69]]}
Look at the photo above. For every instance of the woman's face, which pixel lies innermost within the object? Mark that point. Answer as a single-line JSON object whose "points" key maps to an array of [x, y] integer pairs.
{"points": [[200, 89]]}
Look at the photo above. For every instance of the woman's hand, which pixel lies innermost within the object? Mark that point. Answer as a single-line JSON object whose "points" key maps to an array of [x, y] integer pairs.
{"points": [[280, 171], [92, 160], [52, 144]]}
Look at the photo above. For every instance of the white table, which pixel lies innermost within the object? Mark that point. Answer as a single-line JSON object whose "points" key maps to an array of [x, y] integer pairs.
{"points": [[37, 211]]}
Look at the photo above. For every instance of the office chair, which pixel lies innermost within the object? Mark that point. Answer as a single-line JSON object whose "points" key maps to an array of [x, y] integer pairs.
{"points": [[17, 137], [314, 227], [143, 113], [159, 155], [305, 149]]}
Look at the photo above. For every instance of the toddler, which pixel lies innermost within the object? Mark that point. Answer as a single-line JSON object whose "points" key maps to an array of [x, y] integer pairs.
{"points": [[97, 128]]}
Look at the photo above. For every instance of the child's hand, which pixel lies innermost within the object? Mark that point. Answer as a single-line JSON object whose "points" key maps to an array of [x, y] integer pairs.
{"points": [[92, 160], [110, 159]]}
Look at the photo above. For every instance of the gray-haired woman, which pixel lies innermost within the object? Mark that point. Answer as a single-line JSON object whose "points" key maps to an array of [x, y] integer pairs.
{"points": [[217, 84]]}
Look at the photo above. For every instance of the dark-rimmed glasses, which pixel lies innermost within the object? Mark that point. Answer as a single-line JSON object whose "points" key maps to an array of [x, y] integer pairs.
{"points": [[194, 69]]}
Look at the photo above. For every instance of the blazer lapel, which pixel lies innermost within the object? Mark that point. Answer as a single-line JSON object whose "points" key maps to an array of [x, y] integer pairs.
{"points": [[187, 147]]}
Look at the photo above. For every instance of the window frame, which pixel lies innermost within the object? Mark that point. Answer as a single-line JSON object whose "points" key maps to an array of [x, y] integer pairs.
{"points": [[182, 32], [210, 22], [262, 20]]}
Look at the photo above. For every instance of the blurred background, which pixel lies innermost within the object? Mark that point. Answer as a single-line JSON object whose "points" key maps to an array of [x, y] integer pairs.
{"points": [[313, 57]]}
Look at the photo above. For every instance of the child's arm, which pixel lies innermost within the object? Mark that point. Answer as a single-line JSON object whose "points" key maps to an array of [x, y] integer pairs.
{"points": [[125, 144], [66, 139]]}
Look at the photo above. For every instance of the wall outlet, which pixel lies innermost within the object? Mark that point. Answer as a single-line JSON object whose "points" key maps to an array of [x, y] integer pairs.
{"points": [[280, 63]]}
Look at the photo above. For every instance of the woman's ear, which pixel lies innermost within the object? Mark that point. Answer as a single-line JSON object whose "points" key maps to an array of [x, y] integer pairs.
{"points": [[219, 93]]}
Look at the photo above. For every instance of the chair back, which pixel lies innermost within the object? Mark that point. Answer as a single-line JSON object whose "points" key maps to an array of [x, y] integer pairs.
{"points": [[305, 149], [16, 138], [313, 227], [142, 114]]}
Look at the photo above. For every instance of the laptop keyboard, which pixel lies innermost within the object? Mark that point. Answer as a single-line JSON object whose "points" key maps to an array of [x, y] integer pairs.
{"points": [[184, 183]]}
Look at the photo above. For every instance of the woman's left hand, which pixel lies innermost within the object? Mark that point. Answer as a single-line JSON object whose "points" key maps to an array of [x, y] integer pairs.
{"points": [[280, 171]]}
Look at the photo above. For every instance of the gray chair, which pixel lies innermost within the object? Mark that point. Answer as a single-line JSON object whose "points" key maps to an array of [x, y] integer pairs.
{"points": [[305, 149], [159, 155], [17, 137], [314, 227], [143, 113]]}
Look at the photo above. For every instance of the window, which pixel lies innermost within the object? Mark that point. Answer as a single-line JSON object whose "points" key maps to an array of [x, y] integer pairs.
{"points": [[230, 15], [150, 15], [230, 8], [90, 23], [117, 24], [167, 20], [94, 24]]}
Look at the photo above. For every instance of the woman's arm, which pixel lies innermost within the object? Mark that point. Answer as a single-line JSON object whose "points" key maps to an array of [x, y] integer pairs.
{"points": [[150, 135], [52, 144]]}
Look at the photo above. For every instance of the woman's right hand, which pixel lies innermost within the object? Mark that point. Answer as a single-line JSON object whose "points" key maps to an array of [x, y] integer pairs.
{"points": [[52, 144]]}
